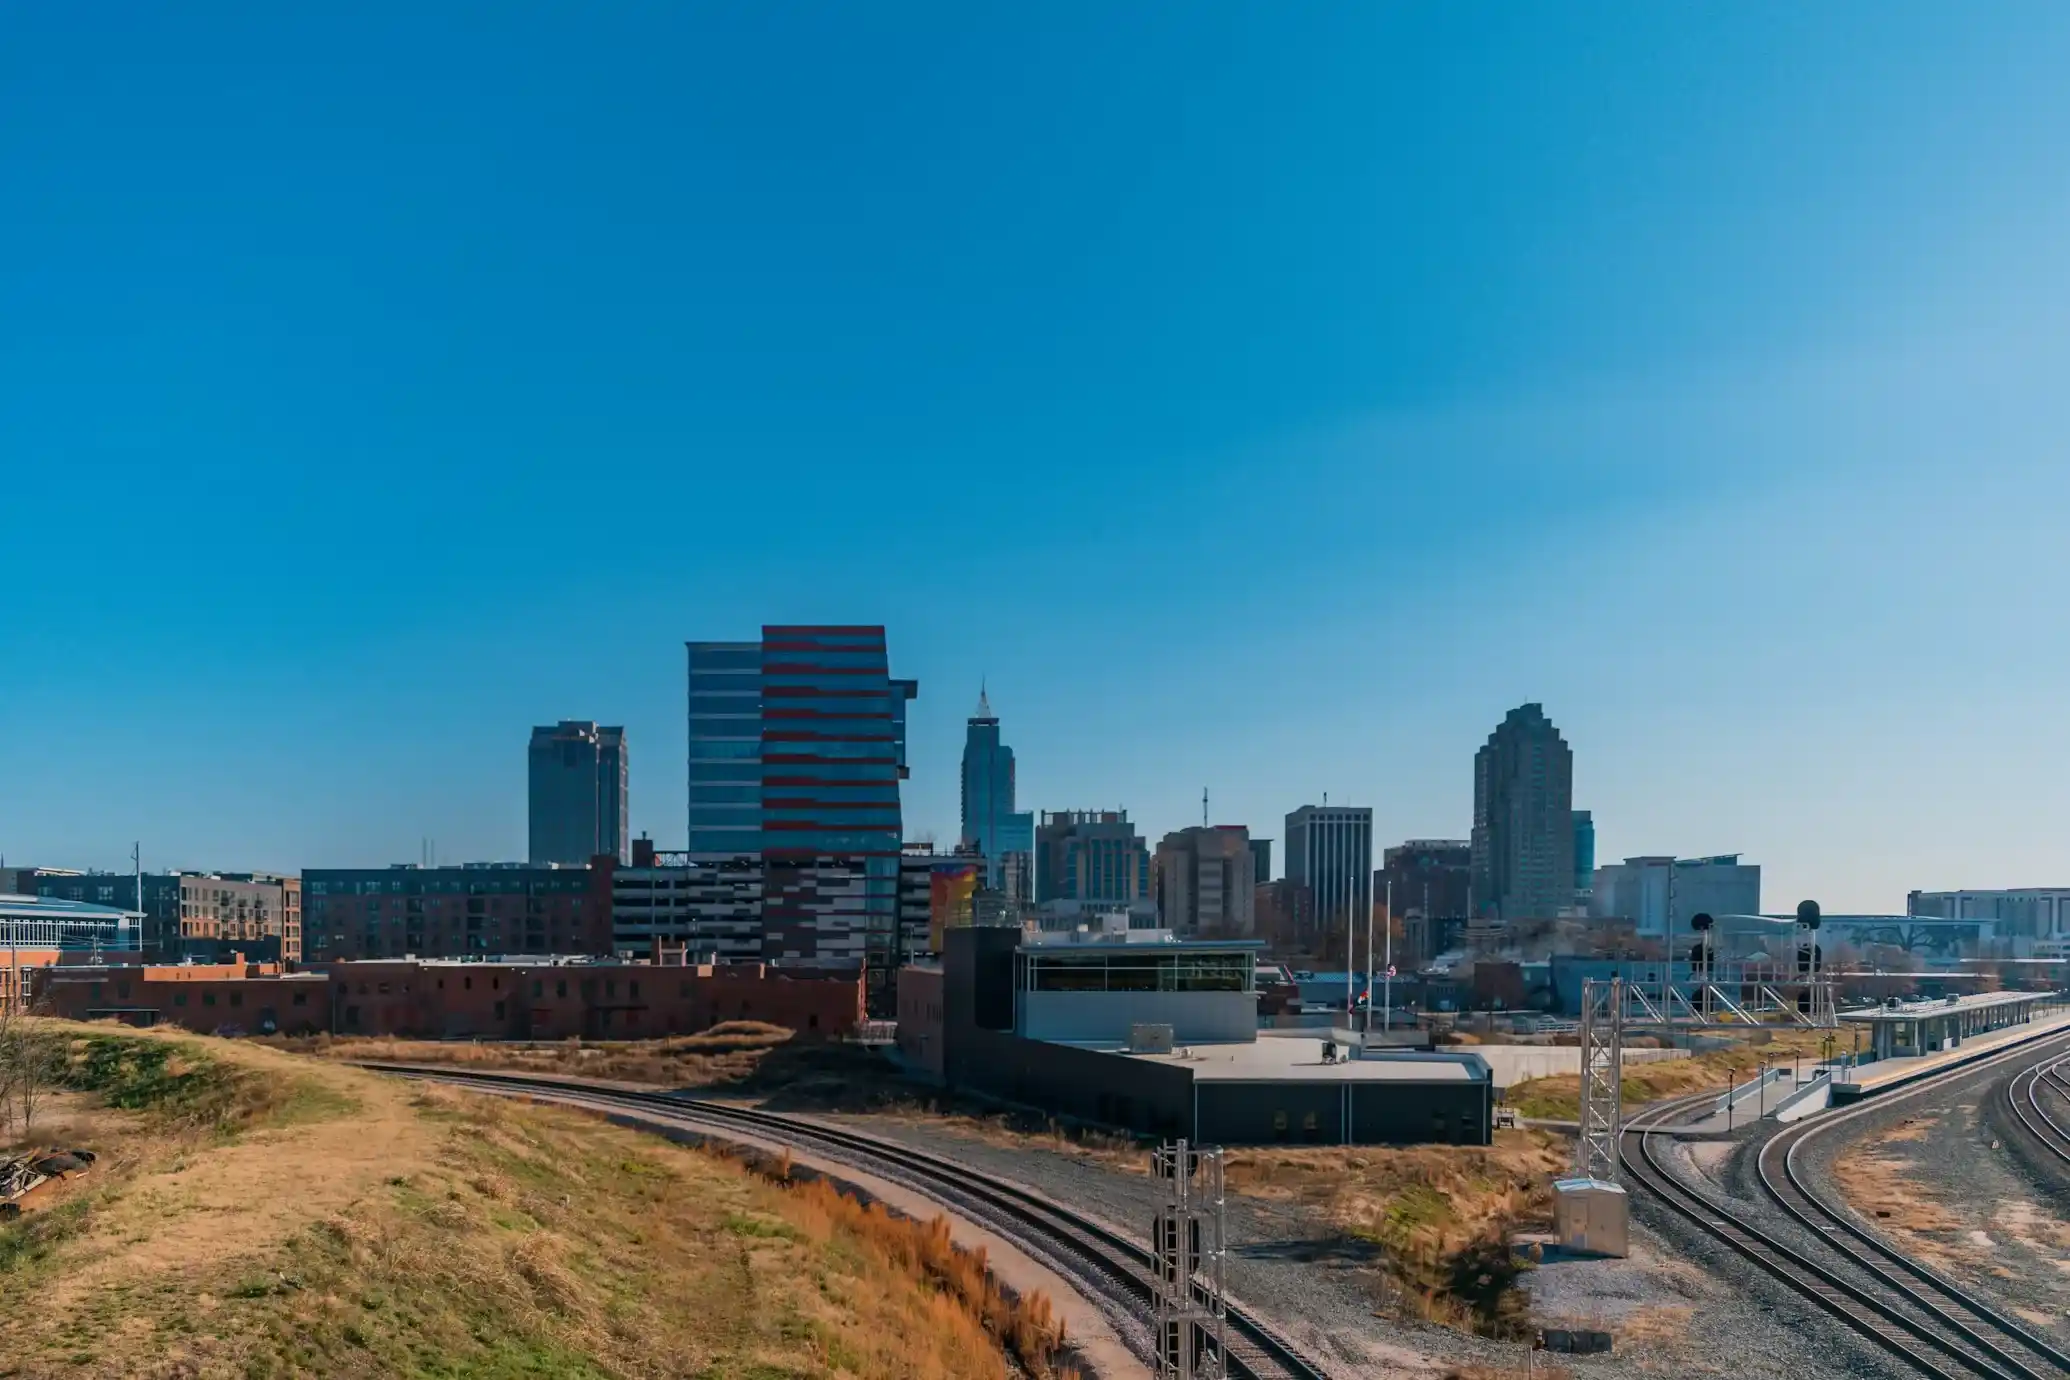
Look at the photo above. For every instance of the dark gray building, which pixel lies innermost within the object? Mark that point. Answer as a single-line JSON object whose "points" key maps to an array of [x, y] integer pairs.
{"points": [[1261, 860], [578, 777], [1523, 820]]}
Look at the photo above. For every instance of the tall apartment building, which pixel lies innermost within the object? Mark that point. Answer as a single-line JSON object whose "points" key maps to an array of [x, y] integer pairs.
{"points": [[1659, 895], [1523, 820], [474, 910], [1206, 882], [1095, 857], [1330, 852], [797, 748], [201, 915], [578, 798], [991, 825], [1430, 882]]}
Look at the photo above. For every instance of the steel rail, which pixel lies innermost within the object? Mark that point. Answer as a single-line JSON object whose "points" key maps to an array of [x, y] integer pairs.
{"points": [[1118, 1261], [1958, 1309], [1881, 1321]]}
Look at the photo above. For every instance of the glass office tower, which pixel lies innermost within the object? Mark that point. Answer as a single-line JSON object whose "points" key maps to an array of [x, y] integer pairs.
{"points": [[990, 823], [797, 748]]}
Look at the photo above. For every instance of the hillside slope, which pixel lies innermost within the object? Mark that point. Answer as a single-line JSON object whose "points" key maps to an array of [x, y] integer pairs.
{"points": [[257, 1214]]}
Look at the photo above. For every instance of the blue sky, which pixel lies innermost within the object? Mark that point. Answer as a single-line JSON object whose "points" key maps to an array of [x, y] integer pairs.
{"points": [[1261, 397]]}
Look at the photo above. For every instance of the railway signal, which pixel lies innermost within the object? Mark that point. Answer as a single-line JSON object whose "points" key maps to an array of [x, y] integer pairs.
{"points": [[1188, 1245]]}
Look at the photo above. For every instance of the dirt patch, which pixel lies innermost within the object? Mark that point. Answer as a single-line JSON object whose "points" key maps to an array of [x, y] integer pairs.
{"points": [[1880, 1186]]}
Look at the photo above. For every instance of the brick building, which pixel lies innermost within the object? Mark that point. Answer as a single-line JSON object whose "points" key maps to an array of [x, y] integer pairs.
{"points": [[235, 998], [471, 911], [530, 999]]}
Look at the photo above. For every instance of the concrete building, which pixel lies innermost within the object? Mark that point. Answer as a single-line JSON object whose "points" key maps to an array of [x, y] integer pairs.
{"points": [[1659, 895], [1094, 856], [474, 910], [1218, 1084], [797, 748], [1431, 883], [519, 999], [1261, 858], [992, 827], [1330, 853], [1095, 988], [1204, 882], [578, 774], [1523, 820], [1584, 855], [2031, 922]]}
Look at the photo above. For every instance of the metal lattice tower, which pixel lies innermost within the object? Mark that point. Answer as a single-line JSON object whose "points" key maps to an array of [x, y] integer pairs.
{"points": [[1602, 1078], [1188, 1244]]}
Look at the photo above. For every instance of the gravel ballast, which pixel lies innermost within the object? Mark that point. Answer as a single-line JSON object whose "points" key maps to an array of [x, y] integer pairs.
{"points": [[1680, 1305]]}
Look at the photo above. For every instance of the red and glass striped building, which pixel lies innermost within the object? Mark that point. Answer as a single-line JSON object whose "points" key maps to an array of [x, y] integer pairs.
{"points": [[797, 748]]}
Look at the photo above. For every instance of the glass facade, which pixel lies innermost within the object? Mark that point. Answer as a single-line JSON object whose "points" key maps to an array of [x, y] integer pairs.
{"points": [[990, 822], [725, 748], [1145, 970], [797, 748], [1584, 852]]}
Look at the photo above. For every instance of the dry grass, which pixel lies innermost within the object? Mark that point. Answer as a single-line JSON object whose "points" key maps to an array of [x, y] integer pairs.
{"points": [[1536, 1370], [726, 1053], [1559, 1097], [279, 1217]]}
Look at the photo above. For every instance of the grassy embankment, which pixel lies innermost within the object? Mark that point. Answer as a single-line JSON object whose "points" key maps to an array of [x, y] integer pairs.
{"points": [[255, 1214], [1559, 1097], [1433, 1221]]}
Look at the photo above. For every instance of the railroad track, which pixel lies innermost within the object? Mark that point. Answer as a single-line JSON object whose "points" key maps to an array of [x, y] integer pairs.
{"points": [[2023, 1096], [1915, 1313], [1110, 1263]]}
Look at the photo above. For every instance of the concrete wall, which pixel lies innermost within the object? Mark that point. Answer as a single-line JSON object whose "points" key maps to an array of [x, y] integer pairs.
{"points": [[920, 1018], [1111, 1089], [1195, 1017]]}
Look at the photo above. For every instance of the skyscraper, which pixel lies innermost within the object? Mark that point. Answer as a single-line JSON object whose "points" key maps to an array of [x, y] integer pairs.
{"points": [[990, 823], [1523, 820], [1261, 861], [797, 748], [577, 794], [1584, 855], [1330, 852]]}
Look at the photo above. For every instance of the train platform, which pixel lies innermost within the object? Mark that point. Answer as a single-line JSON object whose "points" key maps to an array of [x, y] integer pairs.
{"points": [[2047, 1014]]}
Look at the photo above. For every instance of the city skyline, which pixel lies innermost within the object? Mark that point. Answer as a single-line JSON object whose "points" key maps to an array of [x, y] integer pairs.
{"points": [[1435, 362]]}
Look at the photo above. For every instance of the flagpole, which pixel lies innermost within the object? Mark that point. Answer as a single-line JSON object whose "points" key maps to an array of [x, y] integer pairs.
{"points": [[1387, 1016], [1369, 968]]}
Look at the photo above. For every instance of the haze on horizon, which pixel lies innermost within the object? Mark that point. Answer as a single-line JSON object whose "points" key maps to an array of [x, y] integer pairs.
{"points": [[1257, 399]]}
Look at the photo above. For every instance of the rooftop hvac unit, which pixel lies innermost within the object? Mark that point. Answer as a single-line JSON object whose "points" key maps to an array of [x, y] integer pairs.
{"points": [[1144, 1038]]}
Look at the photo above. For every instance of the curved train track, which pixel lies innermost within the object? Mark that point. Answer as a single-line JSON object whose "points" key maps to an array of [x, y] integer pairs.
{"points": [[1917, 1314], [1107, 1261], [2023, 1096]]}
